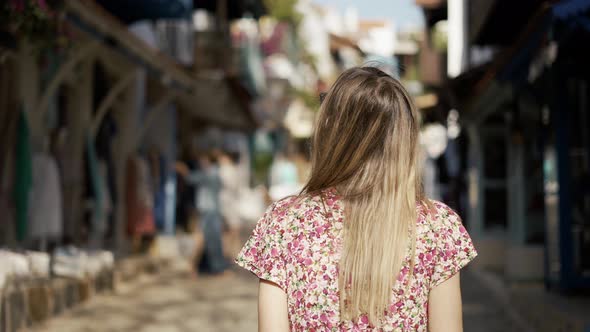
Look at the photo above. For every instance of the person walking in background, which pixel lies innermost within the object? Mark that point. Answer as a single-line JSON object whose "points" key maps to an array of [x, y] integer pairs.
{"points": [[361, 248], [229, 199], [208, 183]]}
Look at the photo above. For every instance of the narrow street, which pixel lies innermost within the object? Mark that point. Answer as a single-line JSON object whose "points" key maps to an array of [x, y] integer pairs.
{"points": [[175, 301], [169, 302], [481, 312]]}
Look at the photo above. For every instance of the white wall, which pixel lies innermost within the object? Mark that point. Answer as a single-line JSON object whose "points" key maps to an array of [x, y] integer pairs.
{"points": [[457, 37], [314, 33]]}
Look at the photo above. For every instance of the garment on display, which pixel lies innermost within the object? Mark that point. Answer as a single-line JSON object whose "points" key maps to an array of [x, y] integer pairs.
{"points": [[45, 199], [23, 176], [140, 198]]}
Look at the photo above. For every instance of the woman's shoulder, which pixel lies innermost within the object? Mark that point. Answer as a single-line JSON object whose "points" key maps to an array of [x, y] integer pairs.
{"points": [[296, 204], [437, 216], [304, 208]]}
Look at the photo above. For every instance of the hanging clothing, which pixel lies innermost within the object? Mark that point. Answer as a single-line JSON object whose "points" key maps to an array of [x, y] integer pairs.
{"points": [[95, 182], [169, 176], [98, 173], [23, 177], [7, 176], [159, 168], [103, 144], [7, 236], [175, 38], [140, 198], [45, 208]]}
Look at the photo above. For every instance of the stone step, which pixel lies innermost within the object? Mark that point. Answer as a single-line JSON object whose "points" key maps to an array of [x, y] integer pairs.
{"points": [[25, 303]]}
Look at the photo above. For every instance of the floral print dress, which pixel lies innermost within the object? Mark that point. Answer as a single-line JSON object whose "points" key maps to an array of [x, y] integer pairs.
{"points": [[297, 245]]}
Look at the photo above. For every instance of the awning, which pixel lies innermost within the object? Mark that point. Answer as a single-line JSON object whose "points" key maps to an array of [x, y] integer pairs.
{"points": [[337, 42], [135, 10], [505, 20], [221, 101], [434, 10], [214, 102], [569, 8], [529, 36], [235, 8], [487, 87], [93, 18]]}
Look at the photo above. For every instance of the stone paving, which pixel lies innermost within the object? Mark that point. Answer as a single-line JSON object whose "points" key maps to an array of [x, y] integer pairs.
{"points": [[175, 301], [481, 311]]}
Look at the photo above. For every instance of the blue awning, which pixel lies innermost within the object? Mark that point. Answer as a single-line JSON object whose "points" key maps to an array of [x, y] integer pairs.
{"points": [[574, 13], [516, 70], [568, 8], [130, 11]]}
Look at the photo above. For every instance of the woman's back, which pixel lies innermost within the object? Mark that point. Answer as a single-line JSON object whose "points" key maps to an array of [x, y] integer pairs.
{"points": [[298, 244], [380, 262]]}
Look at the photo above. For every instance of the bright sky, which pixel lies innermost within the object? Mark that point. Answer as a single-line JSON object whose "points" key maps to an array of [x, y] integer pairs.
{"points": [[404, 13]]}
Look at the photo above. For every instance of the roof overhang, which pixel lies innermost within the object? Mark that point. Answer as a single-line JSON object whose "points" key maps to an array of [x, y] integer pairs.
{"points": [[434, 10], [214, 101], [94, 19]]}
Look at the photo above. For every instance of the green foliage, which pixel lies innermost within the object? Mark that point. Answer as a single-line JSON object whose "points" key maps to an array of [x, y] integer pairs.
{"points": [[283, 10], [411, 73], [439, 38], [261, 164], [310, 100], [37, 21], [307, 57]]}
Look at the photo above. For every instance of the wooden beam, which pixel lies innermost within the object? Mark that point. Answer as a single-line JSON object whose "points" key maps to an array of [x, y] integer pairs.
{"points": [[84, 52], [155, 110], [430, 3], [105, 24], [79, 112], [113, 62], [28, 80], [337, 42], [125, 115], [507, 54], [488, 102], [109, 100]]}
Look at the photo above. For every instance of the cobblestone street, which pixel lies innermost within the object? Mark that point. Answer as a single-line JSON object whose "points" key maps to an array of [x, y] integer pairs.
{"points": [[175, 301]]}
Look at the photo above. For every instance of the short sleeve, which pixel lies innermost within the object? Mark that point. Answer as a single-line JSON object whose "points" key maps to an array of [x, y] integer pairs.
{"points": [[453, 246], [263, 252]]}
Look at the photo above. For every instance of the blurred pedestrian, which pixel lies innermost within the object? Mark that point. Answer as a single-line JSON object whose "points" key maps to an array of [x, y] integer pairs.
{"points": [[208, 183], [229, 199], [362, 248]]}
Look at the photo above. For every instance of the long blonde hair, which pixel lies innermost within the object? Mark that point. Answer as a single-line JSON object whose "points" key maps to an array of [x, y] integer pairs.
{"points": [[365, 146]]}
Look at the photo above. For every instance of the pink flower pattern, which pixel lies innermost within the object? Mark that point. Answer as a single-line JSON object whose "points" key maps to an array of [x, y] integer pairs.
{"points": [[297, 245]]}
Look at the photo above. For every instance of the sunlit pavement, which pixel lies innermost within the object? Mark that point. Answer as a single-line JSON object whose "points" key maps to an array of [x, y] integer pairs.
{"points": [[175, 301], [172, 301]]}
